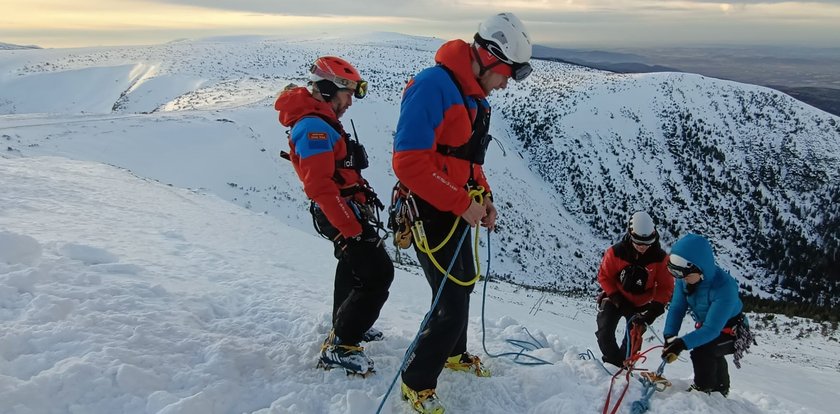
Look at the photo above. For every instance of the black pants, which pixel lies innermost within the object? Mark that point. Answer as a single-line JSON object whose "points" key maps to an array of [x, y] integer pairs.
{"points": [[711, 372], [608, 317], [445, 334], [362, 278]]}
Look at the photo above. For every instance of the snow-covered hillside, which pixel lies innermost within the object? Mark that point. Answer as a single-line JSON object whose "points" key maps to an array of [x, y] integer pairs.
{"points": [[752, 168], [578, 149], [119, 294]]}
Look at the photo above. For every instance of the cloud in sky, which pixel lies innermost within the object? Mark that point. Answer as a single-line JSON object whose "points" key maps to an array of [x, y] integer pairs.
{"points": [[604, 23]]}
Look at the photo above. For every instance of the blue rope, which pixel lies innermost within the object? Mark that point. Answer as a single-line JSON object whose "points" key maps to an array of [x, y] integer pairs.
{"points": [[591, 355], [643, 404], [522, 345], [413, 344]]}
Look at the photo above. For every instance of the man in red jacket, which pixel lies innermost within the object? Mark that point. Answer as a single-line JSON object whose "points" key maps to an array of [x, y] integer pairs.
{"points": [[329, 164], [439, 147], [636, 284]]}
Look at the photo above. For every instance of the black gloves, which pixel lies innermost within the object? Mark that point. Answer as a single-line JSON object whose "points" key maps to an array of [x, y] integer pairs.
{"points": [[622, 304], [650, 312], [672, 349]]}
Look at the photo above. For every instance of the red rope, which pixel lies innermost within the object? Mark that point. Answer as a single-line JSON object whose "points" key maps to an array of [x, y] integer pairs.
{"points": [[636, 340]]}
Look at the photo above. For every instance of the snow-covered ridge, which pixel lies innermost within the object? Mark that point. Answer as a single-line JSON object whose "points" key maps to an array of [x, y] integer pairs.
{"points": [[578, 149], [9, 46]]}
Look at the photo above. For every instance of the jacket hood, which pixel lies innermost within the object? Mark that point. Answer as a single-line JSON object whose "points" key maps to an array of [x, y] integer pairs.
{"points": [[296, 103], [697, 249], [457, 57]]}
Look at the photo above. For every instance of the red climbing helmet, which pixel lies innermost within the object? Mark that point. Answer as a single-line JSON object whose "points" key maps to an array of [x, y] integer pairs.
{"points": [[339, 74]]}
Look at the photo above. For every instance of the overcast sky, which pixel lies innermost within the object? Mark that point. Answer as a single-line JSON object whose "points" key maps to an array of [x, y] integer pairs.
{"points": [[589, 23]]}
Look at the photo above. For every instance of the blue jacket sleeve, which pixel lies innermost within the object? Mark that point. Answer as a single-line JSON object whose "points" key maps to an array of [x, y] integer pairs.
{"points": [[676, 311]]}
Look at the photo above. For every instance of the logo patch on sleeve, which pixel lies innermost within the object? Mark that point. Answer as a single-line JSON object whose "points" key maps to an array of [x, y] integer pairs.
{"points": [[317, 136]]}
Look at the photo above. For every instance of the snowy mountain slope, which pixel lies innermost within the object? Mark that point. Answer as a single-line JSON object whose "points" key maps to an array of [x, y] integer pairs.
{"points": [[750, 167], [111, 303], [578, 149]]}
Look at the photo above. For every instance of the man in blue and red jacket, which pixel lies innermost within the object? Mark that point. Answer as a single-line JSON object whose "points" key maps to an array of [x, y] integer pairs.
{"points": [[439, 148], [329, 164]]}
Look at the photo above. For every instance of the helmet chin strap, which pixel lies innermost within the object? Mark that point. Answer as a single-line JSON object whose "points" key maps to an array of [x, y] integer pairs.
{"points": [[481, 68], [326, 88]]}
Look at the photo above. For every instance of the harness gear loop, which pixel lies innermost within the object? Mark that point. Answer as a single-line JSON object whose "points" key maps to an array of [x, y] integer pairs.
{"points": [[401, 215]]}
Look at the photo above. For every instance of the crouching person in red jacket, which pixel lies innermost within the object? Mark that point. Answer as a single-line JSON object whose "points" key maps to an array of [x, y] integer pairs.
{"points": [[343, 205], [636, 285]]}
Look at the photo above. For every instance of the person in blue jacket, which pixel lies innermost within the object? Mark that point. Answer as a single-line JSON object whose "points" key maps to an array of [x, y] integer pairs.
{"points": [[710, 294]]}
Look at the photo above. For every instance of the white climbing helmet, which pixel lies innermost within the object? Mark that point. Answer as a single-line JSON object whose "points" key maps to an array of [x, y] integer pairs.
{"points": [[507, 33], [641, 228]]}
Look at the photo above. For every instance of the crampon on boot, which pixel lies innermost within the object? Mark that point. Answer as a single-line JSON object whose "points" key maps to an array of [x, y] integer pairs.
{"points": [[467, 362], [373, 334], [352, 358], [722, 391], [424, 402]]}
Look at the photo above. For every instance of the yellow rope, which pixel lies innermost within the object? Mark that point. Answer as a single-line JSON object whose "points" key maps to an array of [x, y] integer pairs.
{"points": [[423, 243]]}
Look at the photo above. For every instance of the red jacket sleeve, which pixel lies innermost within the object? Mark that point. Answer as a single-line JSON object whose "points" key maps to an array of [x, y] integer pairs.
{"points": [[480, 178], [316, 172], [610, 266], [664, 282]]}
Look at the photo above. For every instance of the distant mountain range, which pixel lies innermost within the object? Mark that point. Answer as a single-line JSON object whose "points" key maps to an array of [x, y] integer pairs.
{"points": [[809, 76], [9, 46], [578, 150]]}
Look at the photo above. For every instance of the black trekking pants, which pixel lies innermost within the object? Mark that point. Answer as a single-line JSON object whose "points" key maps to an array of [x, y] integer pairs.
{"points": [[363, 276], [445, 334], [608, 317], [711, 372]]}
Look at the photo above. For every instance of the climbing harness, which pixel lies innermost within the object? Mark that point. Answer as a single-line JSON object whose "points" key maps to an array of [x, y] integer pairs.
{"points": [[403, 214]]}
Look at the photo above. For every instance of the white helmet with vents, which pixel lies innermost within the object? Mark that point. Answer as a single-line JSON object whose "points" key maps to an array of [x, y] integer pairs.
{"points": [[641, 228], [508, 34]]}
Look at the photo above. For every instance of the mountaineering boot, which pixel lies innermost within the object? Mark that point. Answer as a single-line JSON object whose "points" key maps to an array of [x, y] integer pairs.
{"points": [[467, 362], [373, 334], [351, 357], [722, 391], [424, 402]]}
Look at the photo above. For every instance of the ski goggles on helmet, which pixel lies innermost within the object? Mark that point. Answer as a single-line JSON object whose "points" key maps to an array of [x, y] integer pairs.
{"points": [[643, 240], [518, 71], [680, 268], [359, 88]]}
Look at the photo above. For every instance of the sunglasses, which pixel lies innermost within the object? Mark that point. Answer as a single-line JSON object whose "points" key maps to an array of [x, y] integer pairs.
{"points": [[518, 71], [360, 88], [680, 268]]}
